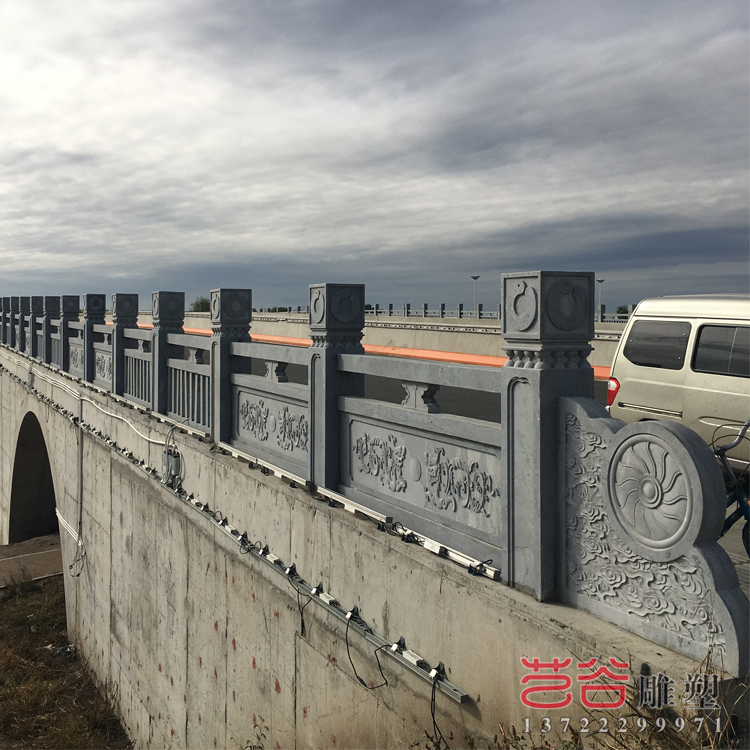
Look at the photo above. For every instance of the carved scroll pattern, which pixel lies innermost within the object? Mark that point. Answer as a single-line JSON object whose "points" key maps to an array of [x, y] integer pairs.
{"points": [[103, 366], [674, 596], [383, 459], [454, 482], [292, 431], [75, 358], [254, 418]]}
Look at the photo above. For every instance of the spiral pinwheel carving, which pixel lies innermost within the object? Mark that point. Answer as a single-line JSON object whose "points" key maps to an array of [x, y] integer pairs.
{"points": [[649, 492]]}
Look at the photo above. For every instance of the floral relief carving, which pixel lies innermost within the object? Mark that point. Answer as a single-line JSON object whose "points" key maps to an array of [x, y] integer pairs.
{"points": [[292, 430], [254, 418], [75, 358], [674, 596], [103, 366], [383, 459], [456, 482]]}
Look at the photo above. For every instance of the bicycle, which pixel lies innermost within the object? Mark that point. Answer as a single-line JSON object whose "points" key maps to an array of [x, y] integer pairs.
{"points": [[736, 492]]}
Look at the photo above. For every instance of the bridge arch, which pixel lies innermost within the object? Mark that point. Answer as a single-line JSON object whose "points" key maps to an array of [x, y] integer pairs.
{"points": [[32, 498]]}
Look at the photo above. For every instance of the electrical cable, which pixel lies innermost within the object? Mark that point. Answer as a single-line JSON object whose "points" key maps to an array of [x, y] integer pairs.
{"points": [[360, 621], [435, 727]]}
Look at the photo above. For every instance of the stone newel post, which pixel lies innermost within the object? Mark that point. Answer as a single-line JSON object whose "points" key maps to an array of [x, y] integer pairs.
{"points": [[14, 305], [6, 320], [337, 319], [231, 314], [93, 314], [124, 315], [69, 310], [50, 311], [37, 305], [168, 314], [548, 321], [23, 324]]}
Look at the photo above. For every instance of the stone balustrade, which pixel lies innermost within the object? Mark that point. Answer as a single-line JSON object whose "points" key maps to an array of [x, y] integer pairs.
{"points": [[562, 501]]}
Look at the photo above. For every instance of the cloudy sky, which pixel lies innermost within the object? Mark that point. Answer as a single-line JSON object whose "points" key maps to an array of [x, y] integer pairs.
{"points": [[404, 144]]}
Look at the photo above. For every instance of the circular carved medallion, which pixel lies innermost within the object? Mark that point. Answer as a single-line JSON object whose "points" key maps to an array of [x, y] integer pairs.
{"points": [[155, 306], [317, 306], [215, 305], [567, 304], [345, 305], [663, 489], [522, 310]]}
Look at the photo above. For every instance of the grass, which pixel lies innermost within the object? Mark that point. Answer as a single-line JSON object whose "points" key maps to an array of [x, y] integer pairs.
{"points": [[48, 701]]}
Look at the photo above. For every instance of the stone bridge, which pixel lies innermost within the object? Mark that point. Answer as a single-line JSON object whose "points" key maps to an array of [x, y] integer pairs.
{"points": [[259, 547]]}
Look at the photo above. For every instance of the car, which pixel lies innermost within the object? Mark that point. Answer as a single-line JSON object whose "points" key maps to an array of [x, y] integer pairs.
{"points": [[687, 359]]}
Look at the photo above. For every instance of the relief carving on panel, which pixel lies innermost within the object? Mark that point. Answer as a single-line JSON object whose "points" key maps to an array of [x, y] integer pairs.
{"points": [[383, 459], [103, 366], [653, 499], [254, 418], [456, 482], [292, 430]]}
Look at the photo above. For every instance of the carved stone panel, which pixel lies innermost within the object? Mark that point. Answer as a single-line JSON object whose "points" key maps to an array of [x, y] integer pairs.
{"points": [[75, 360], [103, 366], [634, 510], [453, 483], [272, 426]]}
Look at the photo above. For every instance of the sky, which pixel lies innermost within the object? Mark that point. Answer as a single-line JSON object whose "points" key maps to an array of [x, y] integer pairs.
{"points": [[404, 144]]}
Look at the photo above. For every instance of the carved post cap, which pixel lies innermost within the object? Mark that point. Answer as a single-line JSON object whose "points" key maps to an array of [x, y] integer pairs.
{"points": [[168, 310], [25, 305], [70, 304], [51, 307], [94, 306], [548, 306], [337, 308], [37, 305], [125, 309], [14, 303], [231, 312], [6, 304]]}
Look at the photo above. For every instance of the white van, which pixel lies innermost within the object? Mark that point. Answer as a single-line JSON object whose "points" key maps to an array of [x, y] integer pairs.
{"points": [[687, 359]]}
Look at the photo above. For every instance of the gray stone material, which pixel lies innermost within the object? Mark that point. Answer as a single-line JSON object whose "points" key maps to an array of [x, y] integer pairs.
{"points": [[124, 315], [231, 313], [168, 314], [643, 508], [23, 322], [14, 308], [69, 311], [37, 309], [548, 319], [50, 311], [70, 306], [5, 320], [94, 308], [337, 319]]}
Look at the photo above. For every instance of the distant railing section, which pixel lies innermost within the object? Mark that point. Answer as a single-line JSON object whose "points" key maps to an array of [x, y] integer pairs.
{"points": [[528, 488]]}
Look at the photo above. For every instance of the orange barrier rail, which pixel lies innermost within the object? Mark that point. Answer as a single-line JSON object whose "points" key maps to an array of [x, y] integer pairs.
{"points": [[600, 373]]}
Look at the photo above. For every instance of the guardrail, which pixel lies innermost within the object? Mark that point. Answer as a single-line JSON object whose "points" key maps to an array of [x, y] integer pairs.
{"points": [[529, 490]]}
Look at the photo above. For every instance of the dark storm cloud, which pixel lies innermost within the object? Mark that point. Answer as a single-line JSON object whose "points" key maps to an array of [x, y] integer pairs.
{"points": [[404, 144]]}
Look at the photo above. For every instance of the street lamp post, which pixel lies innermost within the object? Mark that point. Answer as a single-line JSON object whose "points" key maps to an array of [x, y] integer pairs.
{"points": [[600, 282], [475, 292]]}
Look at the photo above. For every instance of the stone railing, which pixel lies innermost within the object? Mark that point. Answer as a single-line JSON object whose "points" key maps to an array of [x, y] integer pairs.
{"points": [[568, 504]]}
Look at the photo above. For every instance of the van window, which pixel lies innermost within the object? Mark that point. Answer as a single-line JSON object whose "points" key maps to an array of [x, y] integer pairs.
{"points": [[723, 350], [657, 343]]}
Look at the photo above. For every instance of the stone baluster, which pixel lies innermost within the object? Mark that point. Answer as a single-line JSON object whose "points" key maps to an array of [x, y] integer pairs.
{"points": [[442, 309], [14, 308], [124, 315], [70, 305], [337, 319], [460, 311], [37, 304], [93, 314], [50, 311], [546, 317], [231, 314], [168, 315]]}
